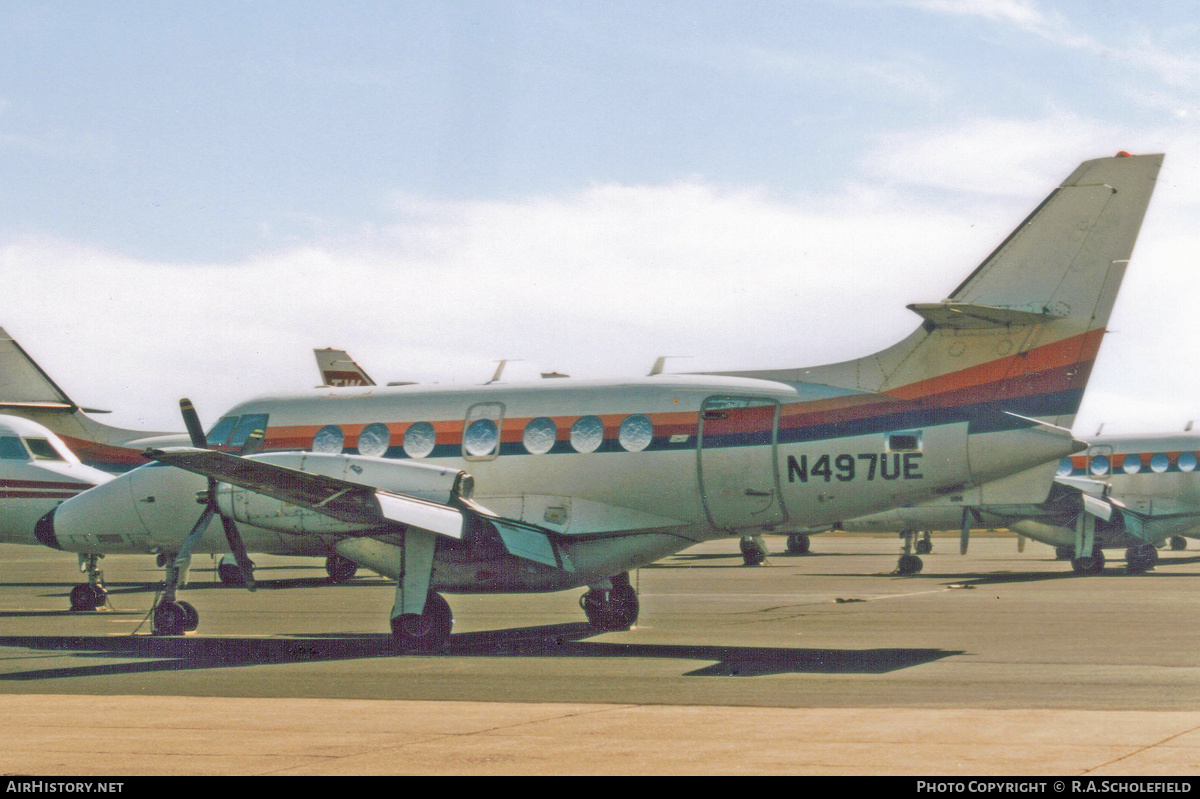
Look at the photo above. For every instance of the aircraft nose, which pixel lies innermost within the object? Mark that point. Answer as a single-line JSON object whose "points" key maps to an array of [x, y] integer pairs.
{"points": [[43, 531]]}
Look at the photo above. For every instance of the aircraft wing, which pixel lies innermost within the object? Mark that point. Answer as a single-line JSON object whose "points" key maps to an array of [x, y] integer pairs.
{"points": [[339, 499]]}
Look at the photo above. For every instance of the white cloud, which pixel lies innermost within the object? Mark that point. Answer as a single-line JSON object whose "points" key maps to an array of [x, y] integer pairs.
{"points": [[597, 283], [602, 281], [992, 155]]}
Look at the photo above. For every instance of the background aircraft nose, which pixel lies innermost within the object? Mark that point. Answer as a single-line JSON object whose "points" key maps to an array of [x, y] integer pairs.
{"points": [[43, 531]]}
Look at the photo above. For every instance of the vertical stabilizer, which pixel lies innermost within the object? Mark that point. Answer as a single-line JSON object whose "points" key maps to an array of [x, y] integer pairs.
{"points": [[28, 392], [1024, 328]]}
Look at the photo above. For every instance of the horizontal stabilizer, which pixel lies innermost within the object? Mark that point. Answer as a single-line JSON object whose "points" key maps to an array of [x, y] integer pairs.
{"points": [[971, 316]]}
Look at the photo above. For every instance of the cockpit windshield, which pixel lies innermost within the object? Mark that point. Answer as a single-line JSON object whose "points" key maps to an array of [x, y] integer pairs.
{"points": [[232, 431], [42, 449]]}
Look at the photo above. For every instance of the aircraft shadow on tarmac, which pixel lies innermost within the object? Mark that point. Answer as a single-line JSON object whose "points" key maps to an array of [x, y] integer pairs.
{"points": [[185, 653]]}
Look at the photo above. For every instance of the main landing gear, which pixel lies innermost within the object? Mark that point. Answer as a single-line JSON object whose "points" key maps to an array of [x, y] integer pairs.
{"points": [[910, 563], [613, 607], [427, 631], [797, 544], [754, 550], [1142, 558], [1092, 565], [90, 595]]}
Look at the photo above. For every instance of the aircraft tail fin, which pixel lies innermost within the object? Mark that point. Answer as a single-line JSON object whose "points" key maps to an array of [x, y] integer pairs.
{"points": [[1022, 331], [28, 392], [339, 369], [23, 384]]}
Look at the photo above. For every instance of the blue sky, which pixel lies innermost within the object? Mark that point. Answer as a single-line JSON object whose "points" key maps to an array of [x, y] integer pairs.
{"points": [[196, 196]]}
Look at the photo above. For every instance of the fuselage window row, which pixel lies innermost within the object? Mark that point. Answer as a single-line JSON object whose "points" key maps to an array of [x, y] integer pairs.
{"points": [[482, 437], [1132, 463]]}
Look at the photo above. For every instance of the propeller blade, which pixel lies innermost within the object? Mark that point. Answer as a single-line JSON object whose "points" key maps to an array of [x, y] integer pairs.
{"points": [[193, 538], [964, 536], [191, 420], [238, 547]]}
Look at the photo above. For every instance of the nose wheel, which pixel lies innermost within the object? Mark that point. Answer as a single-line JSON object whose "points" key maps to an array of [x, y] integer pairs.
{"points": [[90, 595], [174, 618]]}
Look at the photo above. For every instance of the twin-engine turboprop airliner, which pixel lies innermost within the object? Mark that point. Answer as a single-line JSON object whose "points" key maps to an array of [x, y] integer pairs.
{"points": [[575, 482], [1135, 492]]}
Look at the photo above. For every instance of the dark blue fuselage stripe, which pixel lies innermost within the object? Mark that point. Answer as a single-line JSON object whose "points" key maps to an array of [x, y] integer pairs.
{"points": [[986, 417]]}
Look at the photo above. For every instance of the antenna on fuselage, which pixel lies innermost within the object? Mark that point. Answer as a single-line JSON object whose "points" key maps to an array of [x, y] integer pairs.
{"points": [[1188, 427], [500, 369], [660, 362]]}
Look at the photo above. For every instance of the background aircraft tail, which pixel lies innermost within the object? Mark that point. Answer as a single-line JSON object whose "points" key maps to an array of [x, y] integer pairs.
{"points": [[339, 369], [1020, 334], [27, 391]]}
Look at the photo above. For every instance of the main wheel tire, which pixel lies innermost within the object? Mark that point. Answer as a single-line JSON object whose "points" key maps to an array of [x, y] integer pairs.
{"points": [[753, 553], [611, 611], [1178, 543], [340, 569], [1092, 565], [230, 574], [170, 618], [1140, 558], [798, 544], [909, 564], [923, 547], [428, 631]]}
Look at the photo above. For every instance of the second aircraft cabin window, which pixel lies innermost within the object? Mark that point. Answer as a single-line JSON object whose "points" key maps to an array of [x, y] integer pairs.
{"points": [[1187, 461], [1159, 463], [1132, 464], [481, 438], [419, 440], [539, 435], [373, 440], [329, 440], [636, 432], [587, 434]]}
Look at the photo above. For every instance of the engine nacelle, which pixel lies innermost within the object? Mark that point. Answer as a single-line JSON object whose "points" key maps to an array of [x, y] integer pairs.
{"points": [[421, 480]]}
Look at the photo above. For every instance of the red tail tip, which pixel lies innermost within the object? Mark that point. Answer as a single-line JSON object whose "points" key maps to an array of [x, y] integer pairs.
{"points": [[1124, 154]]}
